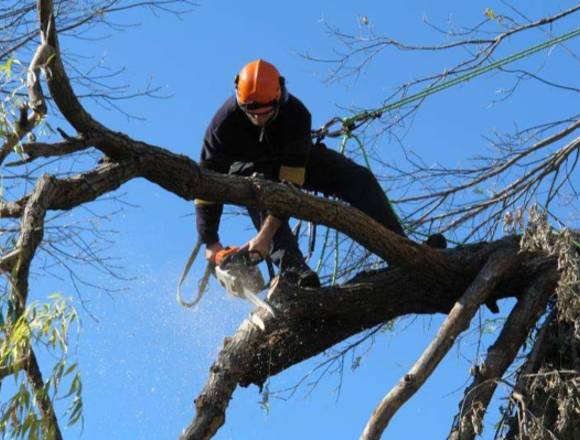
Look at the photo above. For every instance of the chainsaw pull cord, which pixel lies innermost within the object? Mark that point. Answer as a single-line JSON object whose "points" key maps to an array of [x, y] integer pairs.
{"points": [[269, 265], [202, 284]]}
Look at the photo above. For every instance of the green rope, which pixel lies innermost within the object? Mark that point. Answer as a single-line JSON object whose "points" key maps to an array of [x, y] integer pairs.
{"points": [[363, 150], [343, 143], [336, 259], [348, 124], [324, 244]]}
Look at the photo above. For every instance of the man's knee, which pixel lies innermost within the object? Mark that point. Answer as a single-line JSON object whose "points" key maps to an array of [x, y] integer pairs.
{"points": [[360, 180]]}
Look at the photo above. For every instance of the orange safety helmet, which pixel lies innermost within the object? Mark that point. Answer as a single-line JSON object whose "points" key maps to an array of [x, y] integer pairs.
{"points": [[258, 84]]}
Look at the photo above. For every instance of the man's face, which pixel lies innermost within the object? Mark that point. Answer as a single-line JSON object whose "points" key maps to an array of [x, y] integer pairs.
{"points": [[260, 116]]}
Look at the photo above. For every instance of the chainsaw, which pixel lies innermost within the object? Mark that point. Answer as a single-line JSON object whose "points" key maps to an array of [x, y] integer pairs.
{"points": [[238, 273]]}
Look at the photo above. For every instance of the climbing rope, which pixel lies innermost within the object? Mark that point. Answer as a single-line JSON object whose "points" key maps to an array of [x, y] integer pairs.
{"points": [[349, 124]]}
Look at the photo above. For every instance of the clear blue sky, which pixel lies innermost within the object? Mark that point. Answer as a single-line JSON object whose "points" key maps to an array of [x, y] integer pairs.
{"points": [[146, 358]]}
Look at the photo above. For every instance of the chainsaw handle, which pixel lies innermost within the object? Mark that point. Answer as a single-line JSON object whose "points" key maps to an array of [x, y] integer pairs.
{"points": [[221, 255], [255, 261], [228, 252]]}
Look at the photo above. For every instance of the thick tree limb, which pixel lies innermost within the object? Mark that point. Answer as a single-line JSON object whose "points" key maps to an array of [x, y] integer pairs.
{"points": [[500, 356], [309, 322], [52, 429], [183, 177], [458, 320], [35, 97], [79, 189], [31, 233], [58, 81]]}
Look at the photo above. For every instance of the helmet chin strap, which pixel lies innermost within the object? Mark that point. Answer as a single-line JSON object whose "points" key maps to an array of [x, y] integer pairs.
{"points": [[263, 127], [270, 119]]}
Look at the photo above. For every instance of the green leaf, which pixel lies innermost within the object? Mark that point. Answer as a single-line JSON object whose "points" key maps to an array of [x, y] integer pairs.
{"points": [[7, 68], [75, 387], [490, 14], [70, 369], [77, 412]]}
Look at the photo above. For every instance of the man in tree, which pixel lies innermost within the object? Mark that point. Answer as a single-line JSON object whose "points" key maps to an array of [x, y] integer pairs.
{"points": [[263, 129]]}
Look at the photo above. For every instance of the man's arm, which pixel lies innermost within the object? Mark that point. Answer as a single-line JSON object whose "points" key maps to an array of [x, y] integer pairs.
{"points": [[213, 157], [297, 145], [262, 242]]}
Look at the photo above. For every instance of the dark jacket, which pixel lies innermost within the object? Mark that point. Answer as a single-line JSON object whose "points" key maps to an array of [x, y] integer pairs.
{"points": [[283, 144]]}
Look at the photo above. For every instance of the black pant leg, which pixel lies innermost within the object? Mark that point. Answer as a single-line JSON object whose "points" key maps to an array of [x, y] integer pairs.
{"points": [[283, 243], [334, 174]]}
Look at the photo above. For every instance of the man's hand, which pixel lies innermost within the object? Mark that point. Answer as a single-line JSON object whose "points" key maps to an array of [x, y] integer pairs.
{"points": [[212, 250], [262, 242]]}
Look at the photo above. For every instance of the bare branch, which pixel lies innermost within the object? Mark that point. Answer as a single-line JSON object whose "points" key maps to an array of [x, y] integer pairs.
{"points": [[35, 150], [7, 260], [58, 82], [457, 321], [494, 171], [35, 96]]}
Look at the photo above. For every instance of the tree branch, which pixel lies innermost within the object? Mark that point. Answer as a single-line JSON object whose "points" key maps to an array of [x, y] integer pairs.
{"points": [[58, 81], [308, 323], [500, 356], [35, 97], [52, 429], [35, 150], [31, 233], [13, 209], [458, 320], [76, 190]]}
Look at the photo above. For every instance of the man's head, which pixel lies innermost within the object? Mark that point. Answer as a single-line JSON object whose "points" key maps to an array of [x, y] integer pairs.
{"points": [[259, 89]]}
